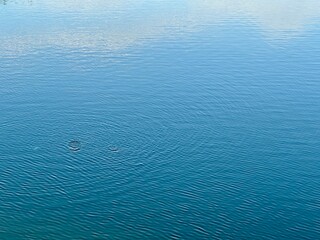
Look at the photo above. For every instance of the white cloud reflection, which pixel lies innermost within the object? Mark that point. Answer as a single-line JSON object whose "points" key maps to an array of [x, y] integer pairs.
{"points": [[117, 24]]}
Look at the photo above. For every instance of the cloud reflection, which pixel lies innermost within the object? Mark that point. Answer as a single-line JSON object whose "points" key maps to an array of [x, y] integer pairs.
{"points": [[117, 24]]}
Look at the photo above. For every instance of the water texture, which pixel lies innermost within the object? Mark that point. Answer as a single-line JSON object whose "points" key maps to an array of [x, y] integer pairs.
{"points": [[188, 119]]}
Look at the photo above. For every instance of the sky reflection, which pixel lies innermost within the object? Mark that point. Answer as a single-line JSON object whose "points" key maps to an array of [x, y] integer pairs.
{"points": [[114, 25]]}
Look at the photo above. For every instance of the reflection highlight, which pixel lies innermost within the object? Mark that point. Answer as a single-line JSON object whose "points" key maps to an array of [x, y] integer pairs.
{"points": [[115, 25]]}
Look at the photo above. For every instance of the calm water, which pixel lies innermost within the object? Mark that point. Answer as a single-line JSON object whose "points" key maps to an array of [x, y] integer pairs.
{"points": [[196, 119]]}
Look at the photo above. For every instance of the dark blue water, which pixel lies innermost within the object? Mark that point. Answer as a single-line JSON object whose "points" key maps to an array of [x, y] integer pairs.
{"points": [[190, 119]]}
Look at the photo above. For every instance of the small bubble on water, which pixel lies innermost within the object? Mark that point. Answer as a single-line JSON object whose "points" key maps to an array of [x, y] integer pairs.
{"points": [[113, 148], [74, 145]]}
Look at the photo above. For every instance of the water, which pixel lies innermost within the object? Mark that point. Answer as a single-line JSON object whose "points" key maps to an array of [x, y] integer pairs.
{"points": [[194, 119]]}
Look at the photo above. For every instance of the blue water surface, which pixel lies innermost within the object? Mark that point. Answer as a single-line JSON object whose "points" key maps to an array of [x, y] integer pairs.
{"points": [[195, 119]]}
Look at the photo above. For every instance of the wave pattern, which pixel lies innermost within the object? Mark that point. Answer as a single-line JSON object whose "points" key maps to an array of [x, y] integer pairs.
{"points": [[209, 133]]}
